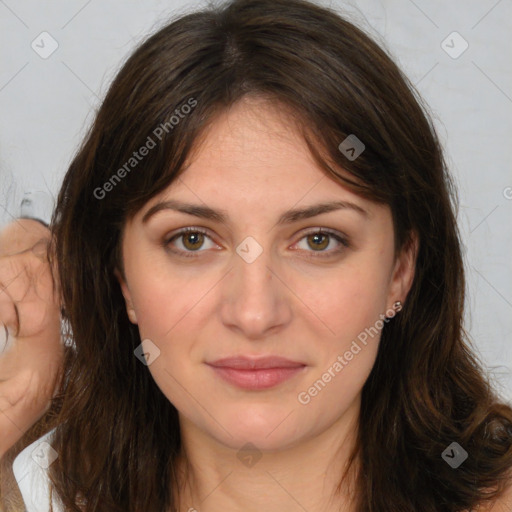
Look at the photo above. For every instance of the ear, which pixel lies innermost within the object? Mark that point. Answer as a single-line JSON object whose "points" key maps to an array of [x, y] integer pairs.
{"points": [[130, 310], [403, 272]]}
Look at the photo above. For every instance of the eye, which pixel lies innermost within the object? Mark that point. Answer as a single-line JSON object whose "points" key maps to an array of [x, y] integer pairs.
{"points": [[320, 239], [190, 239]]}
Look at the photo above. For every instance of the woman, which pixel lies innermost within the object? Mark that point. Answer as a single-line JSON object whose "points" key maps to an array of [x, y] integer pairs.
{"points": [[259, 263]]}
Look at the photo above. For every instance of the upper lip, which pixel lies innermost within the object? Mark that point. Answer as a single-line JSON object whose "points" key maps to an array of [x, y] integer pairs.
{"points": [[255, 363]]}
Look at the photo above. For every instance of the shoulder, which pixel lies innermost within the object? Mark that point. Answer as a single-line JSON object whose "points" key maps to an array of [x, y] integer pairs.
{"points": [[30, 470]]}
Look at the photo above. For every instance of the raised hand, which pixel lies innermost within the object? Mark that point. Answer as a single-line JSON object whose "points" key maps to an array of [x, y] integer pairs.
{"points": [[30, 329]]}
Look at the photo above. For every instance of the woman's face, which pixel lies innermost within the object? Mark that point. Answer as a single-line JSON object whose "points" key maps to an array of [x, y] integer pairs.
{"points": [[260, 284]]}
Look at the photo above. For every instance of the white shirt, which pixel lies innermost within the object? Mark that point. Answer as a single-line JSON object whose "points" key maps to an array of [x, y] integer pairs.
{"points": [[30, 470]]}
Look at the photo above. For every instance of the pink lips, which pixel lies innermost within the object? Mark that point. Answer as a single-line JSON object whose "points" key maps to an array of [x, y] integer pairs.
{"points": [[256, 373]]}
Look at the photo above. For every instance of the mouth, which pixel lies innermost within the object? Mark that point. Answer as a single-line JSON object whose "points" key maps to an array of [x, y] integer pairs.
{"points": [[256, 373]]}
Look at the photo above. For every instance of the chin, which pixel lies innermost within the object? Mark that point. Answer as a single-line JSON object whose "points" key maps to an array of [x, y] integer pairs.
{"points": [[263, 428], [261, 440]]}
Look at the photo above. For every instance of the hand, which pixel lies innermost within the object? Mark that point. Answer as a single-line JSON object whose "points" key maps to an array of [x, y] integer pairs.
{"points": [[30, 331]]}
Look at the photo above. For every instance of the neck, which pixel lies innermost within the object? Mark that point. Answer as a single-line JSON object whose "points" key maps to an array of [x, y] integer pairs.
{"points": [[302, 477]]}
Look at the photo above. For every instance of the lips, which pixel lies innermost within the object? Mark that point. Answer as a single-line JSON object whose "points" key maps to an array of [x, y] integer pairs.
{"points": [[249, 363], [258, 373]]}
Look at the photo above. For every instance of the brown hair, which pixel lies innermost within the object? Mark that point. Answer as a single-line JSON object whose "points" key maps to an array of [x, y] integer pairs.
{"points": [[118, 435]]}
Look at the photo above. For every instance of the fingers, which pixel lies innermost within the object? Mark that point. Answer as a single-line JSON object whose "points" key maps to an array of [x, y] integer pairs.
{"points": [[8, 314], [6, 338], [22, 235], [14, 286], [23, 400], [28, 301], [31, 348]]}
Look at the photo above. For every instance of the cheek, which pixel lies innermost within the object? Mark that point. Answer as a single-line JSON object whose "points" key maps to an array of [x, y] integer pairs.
{"points": [[351, 310], [163, 302], [348, 308], [345, 302], [170, 312]]}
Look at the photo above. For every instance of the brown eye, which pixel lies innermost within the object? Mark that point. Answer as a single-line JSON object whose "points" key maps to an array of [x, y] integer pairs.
{"points": [[189, 241], [318, 241], [193, 241]]}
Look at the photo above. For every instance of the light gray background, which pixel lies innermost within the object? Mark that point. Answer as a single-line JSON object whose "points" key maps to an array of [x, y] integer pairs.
{"points": [[46, 105]]}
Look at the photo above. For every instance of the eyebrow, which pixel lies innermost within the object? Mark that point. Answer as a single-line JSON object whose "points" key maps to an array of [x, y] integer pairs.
{"points": [[222, 217]]}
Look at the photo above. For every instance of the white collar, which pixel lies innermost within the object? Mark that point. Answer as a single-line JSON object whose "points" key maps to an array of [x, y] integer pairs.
{"points": [[30, 470]]}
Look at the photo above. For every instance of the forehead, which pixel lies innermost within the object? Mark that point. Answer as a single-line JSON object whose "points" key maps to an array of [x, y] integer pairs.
{"points": [[252, 164], [252, 141], [255, 151]]}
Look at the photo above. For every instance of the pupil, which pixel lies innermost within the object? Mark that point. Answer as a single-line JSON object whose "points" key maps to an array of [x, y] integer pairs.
{"points": [[193, 238], [317, 237]]}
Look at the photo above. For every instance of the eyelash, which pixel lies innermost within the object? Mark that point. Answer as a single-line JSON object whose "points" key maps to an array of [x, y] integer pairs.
{"points": [[315, 254]]}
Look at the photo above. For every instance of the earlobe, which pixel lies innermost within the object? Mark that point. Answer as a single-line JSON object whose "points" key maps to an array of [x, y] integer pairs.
{"points": [[131, 315], [127, 297]]}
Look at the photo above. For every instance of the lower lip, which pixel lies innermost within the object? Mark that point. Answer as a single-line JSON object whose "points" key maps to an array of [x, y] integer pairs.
{"points": [[263, 378]]}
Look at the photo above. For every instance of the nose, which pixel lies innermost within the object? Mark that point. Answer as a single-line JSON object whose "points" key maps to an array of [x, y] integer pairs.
{"points": [[255, 301]]}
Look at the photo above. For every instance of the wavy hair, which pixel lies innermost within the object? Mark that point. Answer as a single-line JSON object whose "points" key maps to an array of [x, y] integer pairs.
{"points": [[117, 435]]}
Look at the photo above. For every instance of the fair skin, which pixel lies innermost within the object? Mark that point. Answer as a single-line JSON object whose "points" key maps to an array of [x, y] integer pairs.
{"points": [[252, 309], [30, 362], [215, 304]]}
